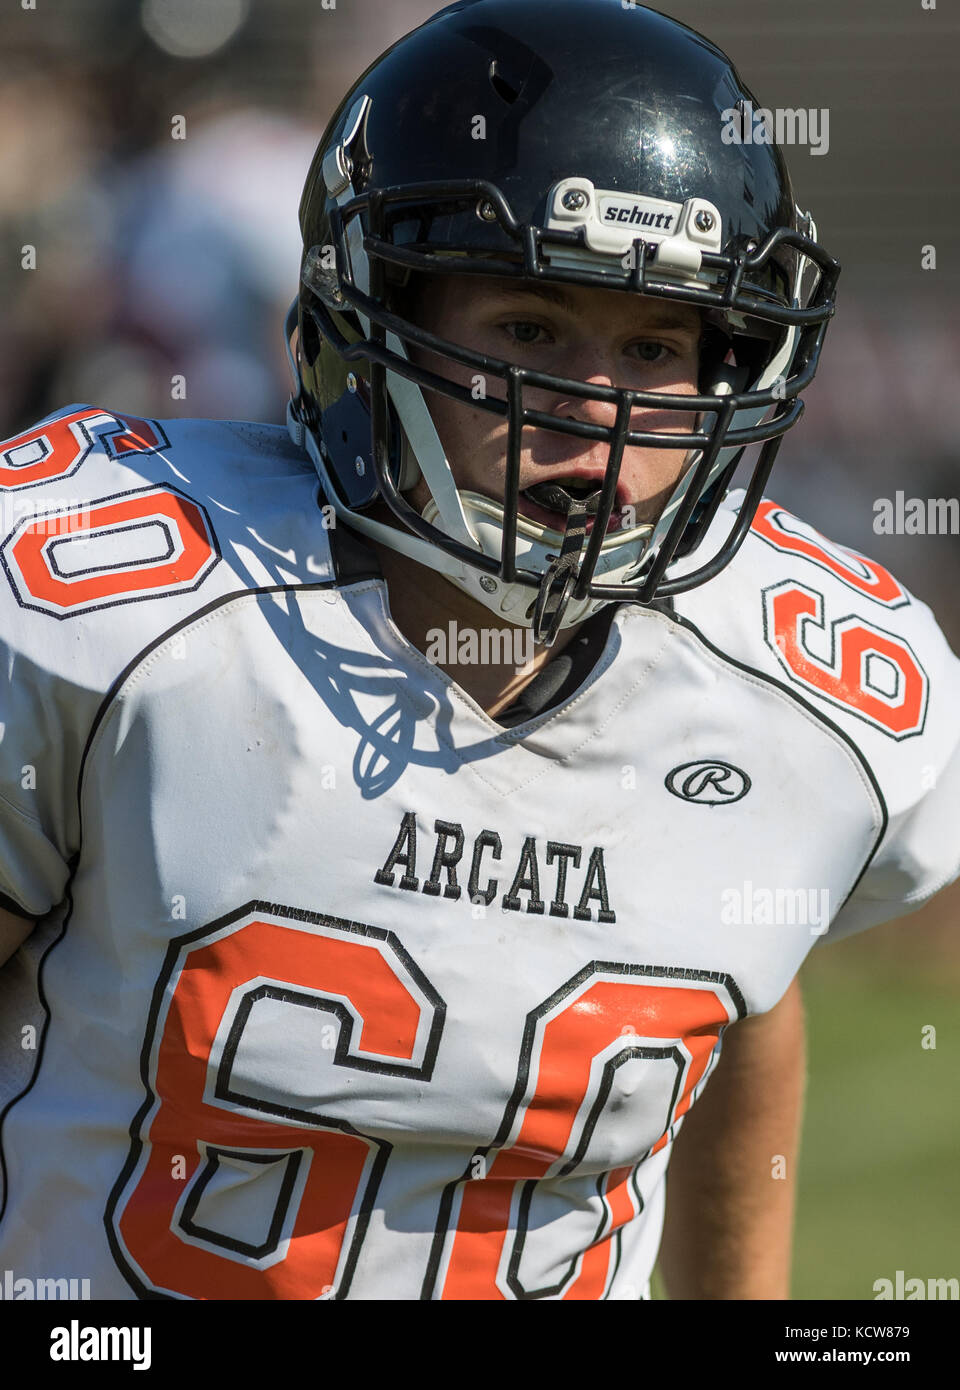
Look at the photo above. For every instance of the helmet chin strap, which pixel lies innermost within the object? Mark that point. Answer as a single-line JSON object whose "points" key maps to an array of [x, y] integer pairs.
{"points": [[556, 587]]}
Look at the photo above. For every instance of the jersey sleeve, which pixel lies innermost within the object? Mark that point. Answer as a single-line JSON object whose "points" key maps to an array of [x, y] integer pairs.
{"points": [[90, 528], [855, 646], [918, 774], [920, 852], [47, 665], [37, 760], [920, 856], [114, 531]]}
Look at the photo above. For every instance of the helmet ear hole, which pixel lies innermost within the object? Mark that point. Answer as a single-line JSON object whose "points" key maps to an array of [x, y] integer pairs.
{"points": [[717, 361], [728, 379], [732, 361]]}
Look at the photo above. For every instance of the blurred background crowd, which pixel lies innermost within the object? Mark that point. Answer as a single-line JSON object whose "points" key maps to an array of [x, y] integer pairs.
{"points": [[157, 256]]}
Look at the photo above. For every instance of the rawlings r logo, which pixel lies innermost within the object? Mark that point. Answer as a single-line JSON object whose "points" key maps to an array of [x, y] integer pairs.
{"points": [[709, 783]]}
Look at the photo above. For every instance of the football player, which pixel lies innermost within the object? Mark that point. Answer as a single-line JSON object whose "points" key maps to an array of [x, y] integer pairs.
{"points": [[365, 950]]}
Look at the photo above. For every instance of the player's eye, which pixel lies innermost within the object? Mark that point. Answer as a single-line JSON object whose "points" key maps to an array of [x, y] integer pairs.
{"points": [[652, 352], [523, 331]]}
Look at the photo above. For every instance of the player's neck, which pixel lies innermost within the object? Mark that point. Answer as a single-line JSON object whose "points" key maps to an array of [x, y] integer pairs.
{"points": [[448, 627]]}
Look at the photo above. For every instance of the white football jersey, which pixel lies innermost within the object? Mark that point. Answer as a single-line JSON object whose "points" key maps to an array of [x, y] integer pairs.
{"points": [[341, 989]]}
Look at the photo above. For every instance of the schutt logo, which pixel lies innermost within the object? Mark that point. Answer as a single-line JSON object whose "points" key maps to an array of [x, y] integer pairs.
{"points": [[709, 783]]}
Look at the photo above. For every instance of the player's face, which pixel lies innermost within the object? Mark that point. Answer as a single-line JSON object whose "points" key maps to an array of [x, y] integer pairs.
{"points": [[600, 336]]}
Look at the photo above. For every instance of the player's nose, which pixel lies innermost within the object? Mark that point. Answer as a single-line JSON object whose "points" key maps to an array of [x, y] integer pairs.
{"points": [[594, 370]]}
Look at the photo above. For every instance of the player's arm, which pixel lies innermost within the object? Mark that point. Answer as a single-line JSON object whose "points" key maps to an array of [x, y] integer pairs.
{"points": [[728, 1231], [14, 931]]}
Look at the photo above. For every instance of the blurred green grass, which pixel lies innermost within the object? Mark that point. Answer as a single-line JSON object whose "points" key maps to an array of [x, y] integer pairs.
{"points": [[879, 1176], [879, 1180]]}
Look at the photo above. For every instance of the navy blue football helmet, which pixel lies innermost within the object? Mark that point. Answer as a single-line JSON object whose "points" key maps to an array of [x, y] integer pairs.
{"points": [[612, 157]]}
